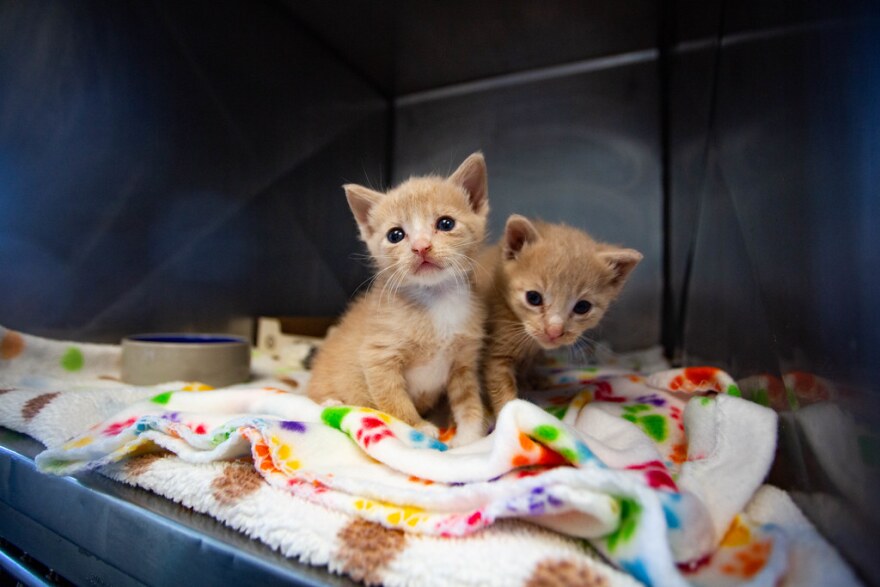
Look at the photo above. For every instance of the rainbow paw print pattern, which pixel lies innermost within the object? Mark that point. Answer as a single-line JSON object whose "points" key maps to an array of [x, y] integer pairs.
{"points": [[669, 430], [610, 457]]}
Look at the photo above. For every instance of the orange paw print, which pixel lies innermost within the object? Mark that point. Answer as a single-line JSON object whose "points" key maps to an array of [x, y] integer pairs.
{"points": [[263, 458], [697, 379], [679, 453], [750, 560], [536, 454]]}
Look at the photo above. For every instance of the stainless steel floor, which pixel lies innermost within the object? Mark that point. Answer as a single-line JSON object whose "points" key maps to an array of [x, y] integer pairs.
{"points": [[94, 531]]}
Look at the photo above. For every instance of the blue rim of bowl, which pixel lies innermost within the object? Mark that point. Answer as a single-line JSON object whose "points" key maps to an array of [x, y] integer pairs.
{"points": [[185, 339]]}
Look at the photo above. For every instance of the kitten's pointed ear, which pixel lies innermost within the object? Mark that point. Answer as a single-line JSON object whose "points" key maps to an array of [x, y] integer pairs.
{"points": [[621, 262], [471, 175], [361, 200], [517, 232]]}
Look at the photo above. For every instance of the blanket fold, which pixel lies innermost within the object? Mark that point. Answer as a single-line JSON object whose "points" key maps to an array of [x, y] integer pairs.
{"points": [[654, 472]]}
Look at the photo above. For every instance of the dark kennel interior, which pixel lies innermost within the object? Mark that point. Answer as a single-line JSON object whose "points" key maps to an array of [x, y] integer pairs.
{"points": [[177, 166]]}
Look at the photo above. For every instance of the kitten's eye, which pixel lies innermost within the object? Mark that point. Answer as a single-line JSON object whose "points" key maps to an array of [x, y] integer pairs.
{"points": [[395, 235], [582, 307], [445, 223], [534, 298]]}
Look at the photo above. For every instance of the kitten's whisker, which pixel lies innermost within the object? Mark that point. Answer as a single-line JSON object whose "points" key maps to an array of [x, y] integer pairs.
{"points": [[396, 282], [400, 276], [367, 257], [577, 353], [521, 339], [388, 286], [462, 245], [460, 275], [371, 280], [391, 267], [592, 342], [481, 267], [463, 263], [467, 258]]}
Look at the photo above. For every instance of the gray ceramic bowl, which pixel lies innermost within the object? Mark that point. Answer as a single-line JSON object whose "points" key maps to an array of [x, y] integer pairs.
{"points": [[215, 359]]}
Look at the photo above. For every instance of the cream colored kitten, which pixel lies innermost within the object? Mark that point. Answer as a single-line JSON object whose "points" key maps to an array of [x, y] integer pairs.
{"points": [[545, 285], [418, 331]]}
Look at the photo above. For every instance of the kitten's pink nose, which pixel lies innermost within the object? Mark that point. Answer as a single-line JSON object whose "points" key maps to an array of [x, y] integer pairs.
{"points": [[421, 246], [553, 331]]}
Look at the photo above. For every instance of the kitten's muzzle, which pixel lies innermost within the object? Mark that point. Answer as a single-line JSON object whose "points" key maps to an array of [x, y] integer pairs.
{"points": [[421, 247], [424, 261], [552, 337], [554, 331], [427, 265]]}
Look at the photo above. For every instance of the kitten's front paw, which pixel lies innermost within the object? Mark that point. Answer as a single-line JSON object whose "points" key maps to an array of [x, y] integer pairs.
{"points": [[466, 434], [428, 429]]}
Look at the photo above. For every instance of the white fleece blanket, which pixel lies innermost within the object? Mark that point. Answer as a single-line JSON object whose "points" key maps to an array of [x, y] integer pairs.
{"points": [[655, 473]]}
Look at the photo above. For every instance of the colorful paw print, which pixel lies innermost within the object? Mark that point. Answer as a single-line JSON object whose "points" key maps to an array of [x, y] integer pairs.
{"points": [[307, 488], [603, 392], [656, 475], [630, 515], [534, 453], [557, 411], [408, 515], [79, 442], [421, 439], [696, 379], [73, 359], [11, 345], [746, 554], [749, 561], [198, 428], [447, 434], [372, 430], [738, 534], [559, 405], [118, 427], [654, 425], [262, 455], [679, 453], [196, 386], [395, 516], [284, 456], [652, 399], [539, 501], [675, 414], [221, 435], [162, 398]]}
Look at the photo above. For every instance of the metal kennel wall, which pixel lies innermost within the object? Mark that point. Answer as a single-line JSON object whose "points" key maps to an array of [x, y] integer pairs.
{"points": [[177, 166]]}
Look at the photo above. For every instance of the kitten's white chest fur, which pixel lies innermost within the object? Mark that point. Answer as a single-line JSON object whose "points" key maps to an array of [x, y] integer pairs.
{"points": [[428, 379], [449, 311]]}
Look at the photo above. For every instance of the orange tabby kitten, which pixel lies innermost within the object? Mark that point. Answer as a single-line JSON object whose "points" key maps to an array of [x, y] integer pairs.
{"points": [[418, 331], [545, 285]]}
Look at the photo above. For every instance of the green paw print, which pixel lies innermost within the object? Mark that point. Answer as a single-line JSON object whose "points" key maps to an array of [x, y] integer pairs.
{"points": [[558, 411], [630, 514], [654, 425], [73, 359]]}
